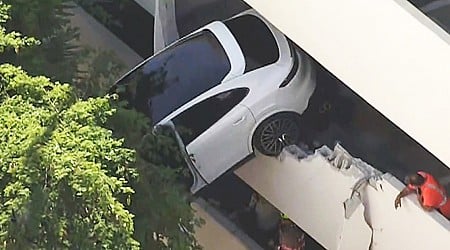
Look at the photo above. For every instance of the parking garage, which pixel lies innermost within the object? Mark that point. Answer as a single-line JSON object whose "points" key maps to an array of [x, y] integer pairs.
{"points": [[337, 114]]}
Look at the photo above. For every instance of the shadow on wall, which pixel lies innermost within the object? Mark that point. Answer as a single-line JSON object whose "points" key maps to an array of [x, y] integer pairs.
{"points": [[188, 18], [127, 20], [364, 131]]}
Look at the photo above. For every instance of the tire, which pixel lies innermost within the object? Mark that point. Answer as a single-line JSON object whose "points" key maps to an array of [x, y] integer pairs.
{"points": [[266, 137]]}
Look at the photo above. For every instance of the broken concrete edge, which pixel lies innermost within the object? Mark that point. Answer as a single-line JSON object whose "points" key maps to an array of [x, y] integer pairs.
{"points": [[348, 165], [228, 225], [342, 161], [355, 228]]}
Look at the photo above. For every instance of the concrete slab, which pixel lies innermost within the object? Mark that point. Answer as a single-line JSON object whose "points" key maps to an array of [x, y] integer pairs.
{"points": [[351, 229], [314, 191], [382, 50], [312, 195], [219, 233]]}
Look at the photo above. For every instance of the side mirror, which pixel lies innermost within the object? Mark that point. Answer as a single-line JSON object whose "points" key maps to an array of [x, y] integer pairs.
{"points": [[157, 129]]}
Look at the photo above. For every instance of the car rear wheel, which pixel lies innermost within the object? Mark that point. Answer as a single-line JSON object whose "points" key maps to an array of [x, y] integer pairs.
{"points": [[275, 133]]}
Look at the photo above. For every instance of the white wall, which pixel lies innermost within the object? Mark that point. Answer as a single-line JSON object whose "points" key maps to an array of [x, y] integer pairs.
{"points": [[386, 51], [312, 193]]}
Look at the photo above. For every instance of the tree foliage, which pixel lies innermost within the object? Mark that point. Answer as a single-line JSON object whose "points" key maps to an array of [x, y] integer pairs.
{"points": [[48, 21], [60, 55], [100, 69], [96, 9], [12, 39], [164, 218], [63, 175], [66, 181]]}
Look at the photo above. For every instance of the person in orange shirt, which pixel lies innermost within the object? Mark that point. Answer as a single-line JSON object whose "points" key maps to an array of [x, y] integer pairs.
{"points": [[291, 237], [430, 194]]}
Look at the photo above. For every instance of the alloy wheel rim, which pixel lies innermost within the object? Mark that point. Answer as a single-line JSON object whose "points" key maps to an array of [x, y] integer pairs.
{"points": [[271, 139]]}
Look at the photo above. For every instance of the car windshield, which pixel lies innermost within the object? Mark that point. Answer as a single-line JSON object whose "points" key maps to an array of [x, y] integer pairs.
{"points": [[176, 75]]}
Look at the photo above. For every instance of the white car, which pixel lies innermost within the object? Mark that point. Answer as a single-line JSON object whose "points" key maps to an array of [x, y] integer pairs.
{"points": [[236, 86]]}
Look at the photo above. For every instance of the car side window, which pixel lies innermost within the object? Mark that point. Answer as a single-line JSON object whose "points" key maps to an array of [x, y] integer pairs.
{"points": [[194, 121], [260, 48]]}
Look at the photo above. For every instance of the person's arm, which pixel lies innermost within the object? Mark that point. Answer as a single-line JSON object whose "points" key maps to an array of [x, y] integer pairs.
{"points": [[406, 191]]}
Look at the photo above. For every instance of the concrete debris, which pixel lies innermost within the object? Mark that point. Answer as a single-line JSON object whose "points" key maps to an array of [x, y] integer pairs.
{"points": [[299, 152], [340, 159], [347, 165], [354, 200]]}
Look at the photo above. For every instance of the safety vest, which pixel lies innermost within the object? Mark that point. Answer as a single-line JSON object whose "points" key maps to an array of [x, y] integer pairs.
{"points": [[291, 237], [431, 192], [288, 248], [299, 246]]}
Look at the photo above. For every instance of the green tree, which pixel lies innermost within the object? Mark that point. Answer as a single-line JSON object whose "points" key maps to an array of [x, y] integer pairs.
{"points": [[164, 219], [98, 72], [60, 55], [63, 175], [96, 9], [48, 21], [66, 181]]}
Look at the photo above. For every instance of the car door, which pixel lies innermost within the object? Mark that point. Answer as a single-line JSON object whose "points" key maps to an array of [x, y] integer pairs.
{"points": [[216, 131]]}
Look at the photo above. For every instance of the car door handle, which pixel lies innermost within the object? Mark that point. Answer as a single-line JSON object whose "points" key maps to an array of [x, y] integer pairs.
{"points": [[192, 158], [239, 121]]}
